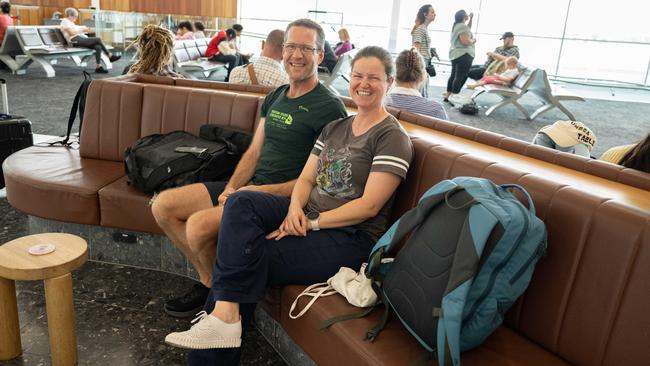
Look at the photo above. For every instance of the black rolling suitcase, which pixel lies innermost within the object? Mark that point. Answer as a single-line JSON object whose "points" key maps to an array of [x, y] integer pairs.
{"points": [[15, 132]]}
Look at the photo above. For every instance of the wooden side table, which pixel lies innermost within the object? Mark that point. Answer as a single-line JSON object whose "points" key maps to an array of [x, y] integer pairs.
{"points": [[55, 269]]}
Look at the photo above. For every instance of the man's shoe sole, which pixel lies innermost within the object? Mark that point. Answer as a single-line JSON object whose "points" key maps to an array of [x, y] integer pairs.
{"points": [[183, 314]]}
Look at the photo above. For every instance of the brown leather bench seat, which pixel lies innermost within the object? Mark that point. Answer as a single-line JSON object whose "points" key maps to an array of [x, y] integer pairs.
{"points": [[587, 301]]}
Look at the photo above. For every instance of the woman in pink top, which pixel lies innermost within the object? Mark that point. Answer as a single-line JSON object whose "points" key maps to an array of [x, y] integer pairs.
{"points": [[345, 45], [5, 20], [185, 31]]}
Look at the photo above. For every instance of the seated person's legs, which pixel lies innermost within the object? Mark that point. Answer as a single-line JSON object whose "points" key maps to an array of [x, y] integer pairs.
{"points": [[172, 209], [231, 60], [96, 44], [202, 229], [247, 262], [488, 79], [476, 72]]}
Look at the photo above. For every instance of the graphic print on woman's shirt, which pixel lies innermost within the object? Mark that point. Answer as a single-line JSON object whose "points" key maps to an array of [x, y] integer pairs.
{"points": [[335, 173]]}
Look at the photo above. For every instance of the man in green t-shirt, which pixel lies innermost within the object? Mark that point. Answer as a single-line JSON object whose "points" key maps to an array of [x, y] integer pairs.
{"points": [[291, 120]]}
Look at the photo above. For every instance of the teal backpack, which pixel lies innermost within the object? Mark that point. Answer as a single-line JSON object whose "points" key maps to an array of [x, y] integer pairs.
{"points": [[471, 254]]}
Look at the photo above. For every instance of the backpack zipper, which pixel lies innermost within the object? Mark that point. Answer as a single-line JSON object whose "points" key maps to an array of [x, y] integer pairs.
{"points": [[536, 254]]}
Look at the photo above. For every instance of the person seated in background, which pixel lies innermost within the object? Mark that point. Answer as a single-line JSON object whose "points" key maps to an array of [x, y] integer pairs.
{"points": [[5, 19], [185, 31], [345, 45], [567, 136], [234, 43], [75, 36], [634, 156], [329, 59], [410, 76], [198, 30], [155, 47], [508, 49], [219, 50], [266, 69], [339, 207], [505, 78]]}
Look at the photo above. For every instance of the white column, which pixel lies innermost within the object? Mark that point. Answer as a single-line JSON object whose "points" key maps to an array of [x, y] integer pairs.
{"points": [[394, 25]]}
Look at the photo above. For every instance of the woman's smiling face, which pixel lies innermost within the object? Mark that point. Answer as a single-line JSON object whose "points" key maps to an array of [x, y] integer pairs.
{"points": [[368, 82]]}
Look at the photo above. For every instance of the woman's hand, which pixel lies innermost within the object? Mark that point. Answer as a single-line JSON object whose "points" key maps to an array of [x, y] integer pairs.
{"points": [[295, 224]]}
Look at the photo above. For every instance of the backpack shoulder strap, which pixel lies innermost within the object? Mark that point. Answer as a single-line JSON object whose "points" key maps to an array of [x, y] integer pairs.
{"points": [[406, 223], [76, 107]]}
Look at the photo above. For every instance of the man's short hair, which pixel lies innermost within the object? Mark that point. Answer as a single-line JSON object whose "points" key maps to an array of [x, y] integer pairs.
{"points": [[308, 23], [275, 39], [237, 27], [71, 12]]}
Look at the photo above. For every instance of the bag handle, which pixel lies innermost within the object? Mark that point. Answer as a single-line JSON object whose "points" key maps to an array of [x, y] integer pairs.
{"points": [[315, 291], [531, 205]]}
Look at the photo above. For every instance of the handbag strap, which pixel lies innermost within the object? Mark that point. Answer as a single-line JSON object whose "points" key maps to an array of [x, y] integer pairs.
{"points": [[315, 291]]}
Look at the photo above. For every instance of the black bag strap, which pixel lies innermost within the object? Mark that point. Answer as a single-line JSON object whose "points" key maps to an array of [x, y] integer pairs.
{"points": [[76, 108], [333, 320]]}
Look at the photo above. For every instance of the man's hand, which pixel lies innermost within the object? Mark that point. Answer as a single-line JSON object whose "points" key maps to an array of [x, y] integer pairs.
{"points": [[224, 195], [471, 15]]}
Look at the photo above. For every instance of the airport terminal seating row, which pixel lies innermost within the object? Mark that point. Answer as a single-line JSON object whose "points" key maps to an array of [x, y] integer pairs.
{"points": [[530, 80], [42, 45], [190, 60], [587, 301]]}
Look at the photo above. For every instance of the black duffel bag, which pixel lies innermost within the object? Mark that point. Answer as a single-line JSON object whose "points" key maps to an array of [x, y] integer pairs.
{"points": [[160, 161]]}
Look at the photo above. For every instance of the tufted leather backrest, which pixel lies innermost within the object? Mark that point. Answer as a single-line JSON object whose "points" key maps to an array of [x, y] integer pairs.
{"points": [[587, 298], [119, 113]]}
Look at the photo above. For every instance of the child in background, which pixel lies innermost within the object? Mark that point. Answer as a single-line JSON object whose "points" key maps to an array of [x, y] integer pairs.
{"points": [[504, 78]]}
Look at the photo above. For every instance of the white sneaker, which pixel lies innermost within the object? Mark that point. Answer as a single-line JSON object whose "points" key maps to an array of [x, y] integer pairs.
{"points": [[208, 332]]}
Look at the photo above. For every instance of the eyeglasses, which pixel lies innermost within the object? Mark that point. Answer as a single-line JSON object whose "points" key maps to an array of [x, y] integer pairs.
{"points": [[304, 49]]}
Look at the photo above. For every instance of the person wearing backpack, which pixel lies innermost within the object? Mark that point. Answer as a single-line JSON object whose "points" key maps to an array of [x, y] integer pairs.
{"points": [[339, 207], [292, 117]]}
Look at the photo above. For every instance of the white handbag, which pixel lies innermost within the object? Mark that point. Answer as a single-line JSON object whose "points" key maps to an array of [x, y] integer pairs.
{"points": [[355, 287]]}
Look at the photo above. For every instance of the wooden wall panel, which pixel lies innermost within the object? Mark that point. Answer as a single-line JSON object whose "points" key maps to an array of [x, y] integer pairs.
{"points": [[205, 8], [47, 7], [117, 5]]}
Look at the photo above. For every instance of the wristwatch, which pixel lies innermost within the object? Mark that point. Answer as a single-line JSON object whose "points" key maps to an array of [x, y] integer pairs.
{"points": [[314, 218]]}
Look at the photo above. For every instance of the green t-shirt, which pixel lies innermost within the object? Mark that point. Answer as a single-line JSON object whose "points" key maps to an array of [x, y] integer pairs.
{"points": [[290, 130], [458, 49]]}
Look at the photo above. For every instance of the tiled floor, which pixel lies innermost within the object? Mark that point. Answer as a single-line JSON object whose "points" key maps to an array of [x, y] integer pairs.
{"points": [[119, 315]]}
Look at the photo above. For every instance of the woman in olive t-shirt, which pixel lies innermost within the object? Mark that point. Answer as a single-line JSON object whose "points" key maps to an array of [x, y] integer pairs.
{"points": [[338, 209], [461, 52]]}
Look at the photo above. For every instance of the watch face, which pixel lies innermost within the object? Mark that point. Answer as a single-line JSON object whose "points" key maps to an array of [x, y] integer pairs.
{"points": [[313, 215]]}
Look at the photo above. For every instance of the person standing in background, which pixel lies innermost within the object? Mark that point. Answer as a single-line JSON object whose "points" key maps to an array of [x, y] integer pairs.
{"points": [[421, 41], [461, 52], [5, 19]]}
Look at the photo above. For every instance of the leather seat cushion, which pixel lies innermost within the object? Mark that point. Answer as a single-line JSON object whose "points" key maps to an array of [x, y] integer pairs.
{"points": [[55, 183], [126, 207], [343, 344]]}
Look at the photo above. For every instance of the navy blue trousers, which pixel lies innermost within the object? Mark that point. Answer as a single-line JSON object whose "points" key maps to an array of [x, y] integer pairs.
{"points": [[247, 262]]}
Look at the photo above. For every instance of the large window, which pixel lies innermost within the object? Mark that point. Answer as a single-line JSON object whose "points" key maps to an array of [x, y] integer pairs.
{"points": [[591, 39]]}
